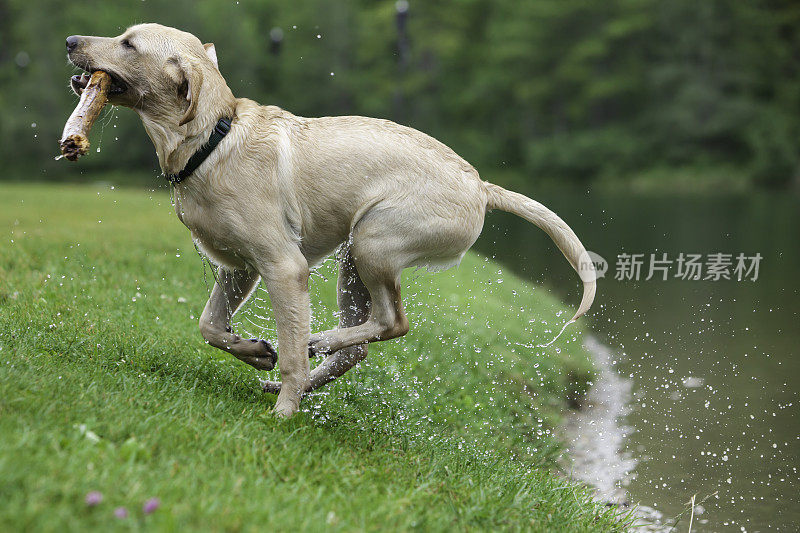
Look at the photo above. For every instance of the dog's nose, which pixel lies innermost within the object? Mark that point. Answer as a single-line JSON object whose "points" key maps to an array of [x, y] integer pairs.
{"points": [[72, 43]]}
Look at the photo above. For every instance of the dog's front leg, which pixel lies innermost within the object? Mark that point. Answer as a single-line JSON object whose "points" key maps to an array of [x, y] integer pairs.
{"points": [[354, 306], [287, 284], [232, 289]]}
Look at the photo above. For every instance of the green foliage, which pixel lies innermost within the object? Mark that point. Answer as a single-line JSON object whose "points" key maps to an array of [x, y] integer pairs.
{"points": [[107, 385], [553, 89]]}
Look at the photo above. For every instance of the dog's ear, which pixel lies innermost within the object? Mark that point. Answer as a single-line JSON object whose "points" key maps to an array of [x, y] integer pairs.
{"points": [[211, 52], [189, 78]]}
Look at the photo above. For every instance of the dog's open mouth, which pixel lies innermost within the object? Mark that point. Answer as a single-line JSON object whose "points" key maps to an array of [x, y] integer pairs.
{"points": [[80, 81]]}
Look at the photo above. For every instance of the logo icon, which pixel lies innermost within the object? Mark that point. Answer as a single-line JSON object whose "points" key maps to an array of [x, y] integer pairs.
{"points": [[591, 267]]}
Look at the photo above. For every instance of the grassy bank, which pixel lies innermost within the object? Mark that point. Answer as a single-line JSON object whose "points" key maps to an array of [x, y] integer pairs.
{"points": [[107, 385]]}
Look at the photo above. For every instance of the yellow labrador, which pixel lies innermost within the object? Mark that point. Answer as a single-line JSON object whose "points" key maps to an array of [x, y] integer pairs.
{"points": [[279, 193]]}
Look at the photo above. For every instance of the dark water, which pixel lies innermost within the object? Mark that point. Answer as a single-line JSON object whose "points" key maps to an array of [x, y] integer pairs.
{"points": [[715, 364]]}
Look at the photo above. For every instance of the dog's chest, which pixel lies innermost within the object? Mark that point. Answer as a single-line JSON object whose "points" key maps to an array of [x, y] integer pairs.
{"points": [[214, 231]]}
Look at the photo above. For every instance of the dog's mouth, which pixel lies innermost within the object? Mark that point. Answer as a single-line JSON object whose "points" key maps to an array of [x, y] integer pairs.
{"points": [[80, 81]]}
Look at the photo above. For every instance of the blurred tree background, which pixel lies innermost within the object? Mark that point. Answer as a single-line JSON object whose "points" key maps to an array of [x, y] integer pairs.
{"points": [[619, 92]]}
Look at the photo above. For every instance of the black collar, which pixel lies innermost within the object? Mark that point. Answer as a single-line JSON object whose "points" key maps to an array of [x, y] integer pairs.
{"points": [[220, 131]]}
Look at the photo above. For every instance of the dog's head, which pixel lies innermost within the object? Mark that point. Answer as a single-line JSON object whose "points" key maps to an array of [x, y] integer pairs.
{"points": [[161, 72]]}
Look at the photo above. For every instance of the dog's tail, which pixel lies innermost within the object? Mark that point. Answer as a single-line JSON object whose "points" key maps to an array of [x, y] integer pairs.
{"points": [[557, 229]]}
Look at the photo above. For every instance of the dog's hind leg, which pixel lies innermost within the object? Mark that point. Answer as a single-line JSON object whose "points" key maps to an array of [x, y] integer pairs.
{"points": [[229, 293], [354, 305], [387, 320], [379, 260], [354, 308]]}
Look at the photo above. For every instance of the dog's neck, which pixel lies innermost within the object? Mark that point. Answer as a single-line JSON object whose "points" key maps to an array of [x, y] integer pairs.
{"points": [[175, 144]]}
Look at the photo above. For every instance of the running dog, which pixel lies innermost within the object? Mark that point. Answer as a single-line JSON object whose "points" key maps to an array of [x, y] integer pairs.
{"points": [[267, 194]]}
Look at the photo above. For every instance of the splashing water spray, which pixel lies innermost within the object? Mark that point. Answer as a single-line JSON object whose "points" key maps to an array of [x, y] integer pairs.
{"points": [[590, 267]]}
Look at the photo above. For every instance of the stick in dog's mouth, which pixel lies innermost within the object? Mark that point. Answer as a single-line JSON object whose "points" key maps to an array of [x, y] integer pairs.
{"points": [[80, 81], [94, 91]]}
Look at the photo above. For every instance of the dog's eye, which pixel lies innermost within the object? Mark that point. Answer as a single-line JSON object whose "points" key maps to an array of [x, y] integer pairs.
{"points": [[127, 44]]}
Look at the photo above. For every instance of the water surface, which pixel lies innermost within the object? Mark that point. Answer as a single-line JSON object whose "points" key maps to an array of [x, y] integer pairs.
{"points": [[714, 364]]}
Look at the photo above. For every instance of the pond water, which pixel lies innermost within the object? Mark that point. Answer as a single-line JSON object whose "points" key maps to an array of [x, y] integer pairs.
{"points": [[715, 365]]}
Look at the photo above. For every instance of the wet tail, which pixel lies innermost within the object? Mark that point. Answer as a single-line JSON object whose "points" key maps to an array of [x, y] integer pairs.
{"points": [[557, 229]]}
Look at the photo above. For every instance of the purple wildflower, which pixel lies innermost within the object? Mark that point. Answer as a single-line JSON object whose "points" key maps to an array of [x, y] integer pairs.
{"points": [[93, 498], [151, 505], [121, 512]]}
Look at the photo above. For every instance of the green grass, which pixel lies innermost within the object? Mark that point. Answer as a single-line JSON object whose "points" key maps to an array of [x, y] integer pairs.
{"points": [[107, 385]]}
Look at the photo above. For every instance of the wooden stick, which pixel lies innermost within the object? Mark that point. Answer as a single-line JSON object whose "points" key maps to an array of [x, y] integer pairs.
{"points": [[75, 139]]}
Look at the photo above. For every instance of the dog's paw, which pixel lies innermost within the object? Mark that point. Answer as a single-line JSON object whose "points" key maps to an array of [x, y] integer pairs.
{"points": [[271, 387], [260, 355], [316, 348], [287, 404], [260, 363], [265, 349]]}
